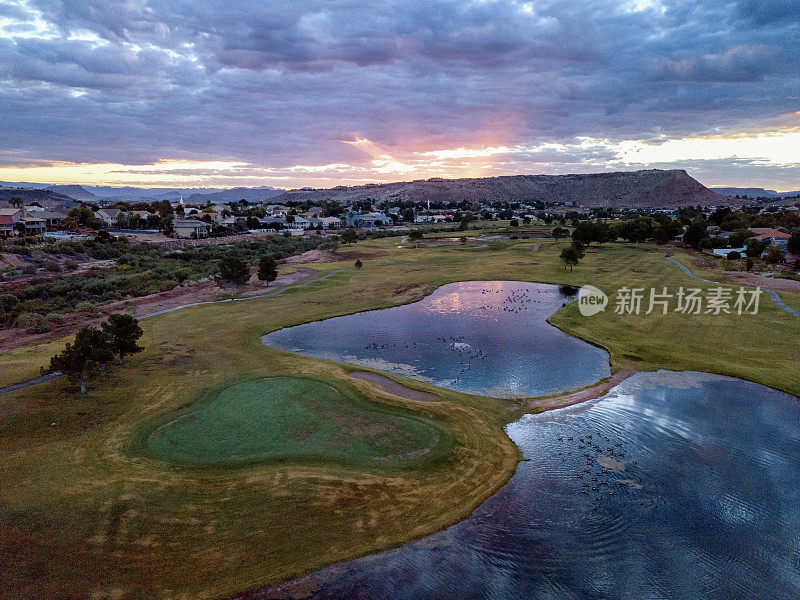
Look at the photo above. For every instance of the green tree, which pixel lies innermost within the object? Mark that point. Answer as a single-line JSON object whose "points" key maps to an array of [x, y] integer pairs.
{"points": [[233, 270], [513, 223], [267, 268], [349, 236], [739, 237], [570, 257], [123, 332], [695, 233], [559, 232], [585, 233], [755, 247], [578, 248], [359, 264], [83, 358], [415, 236]]}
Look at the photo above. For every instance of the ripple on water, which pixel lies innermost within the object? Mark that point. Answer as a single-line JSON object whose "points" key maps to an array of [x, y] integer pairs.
{"points": [[707, 505]]}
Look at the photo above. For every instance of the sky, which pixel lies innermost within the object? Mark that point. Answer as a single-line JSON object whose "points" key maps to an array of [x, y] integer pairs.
{"points": [[343, 92]]}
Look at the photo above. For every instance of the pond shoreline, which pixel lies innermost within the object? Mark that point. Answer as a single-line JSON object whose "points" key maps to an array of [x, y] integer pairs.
{"points": [[543, 404]]}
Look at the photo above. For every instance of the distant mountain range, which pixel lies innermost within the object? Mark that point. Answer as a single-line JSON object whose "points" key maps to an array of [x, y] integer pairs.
{"points": [[651, 188], [95, 193], [630, 189], [752, 192]]}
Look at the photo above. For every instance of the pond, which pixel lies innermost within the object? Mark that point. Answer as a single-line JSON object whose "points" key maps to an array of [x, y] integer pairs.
{"points": [[479, 337], [660, 489]]}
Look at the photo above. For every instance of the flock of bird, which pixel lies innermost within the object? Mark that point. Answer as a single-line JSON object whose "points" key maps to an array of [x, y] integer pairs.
{"points": [[596, 479], [503, 300]]}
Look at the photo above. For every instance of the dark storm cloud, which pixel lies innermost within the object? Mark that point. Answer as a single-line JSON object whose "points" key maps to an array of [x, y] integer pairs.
{"points": [[281, 83]]}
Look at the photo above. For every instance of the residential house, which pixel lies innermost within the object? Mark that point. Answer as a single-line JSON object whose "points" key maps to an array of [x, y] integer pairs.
{"points": [[6, 226], [432, 218], [273, 222], [190, 228], [213, 215], [33, 225], [108, 216], [15, 214], [778, 239], [53, 219], [331, 222], [276, 210], [23, 221], [368, 220], [301, 222]]}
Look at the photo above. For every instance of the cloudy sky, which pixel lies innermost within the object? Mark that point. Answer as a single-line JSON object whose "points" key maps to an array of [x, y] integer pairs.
{"points": [[302, 92]]}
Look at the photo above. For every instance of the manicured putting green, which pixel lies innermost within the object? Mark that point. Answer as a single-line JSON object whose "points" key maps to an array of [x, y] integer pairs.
{"points": [[293, 418]]}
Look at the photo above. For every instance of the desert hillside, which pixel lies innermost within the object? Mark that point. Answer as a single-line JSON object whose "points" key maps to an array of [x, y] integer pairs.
{"points": [[652, 188]]}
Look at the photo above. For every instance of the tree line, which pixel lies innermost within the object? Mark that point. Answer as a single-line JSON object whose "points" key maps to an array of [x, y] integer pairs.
{"points": [[95, 348]]}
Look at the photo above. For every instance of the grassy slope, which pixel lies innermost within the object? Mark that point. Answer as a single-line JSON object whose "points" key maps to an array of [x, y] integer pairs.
{"points": [[25, 363], [83, 511]]}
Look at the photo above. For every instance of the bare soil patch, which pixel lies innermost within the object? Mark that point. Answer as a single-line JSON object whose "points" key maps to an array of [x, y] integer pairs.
{"points": [[312, 256], [394, 388], [354, 254], [756, 280]]}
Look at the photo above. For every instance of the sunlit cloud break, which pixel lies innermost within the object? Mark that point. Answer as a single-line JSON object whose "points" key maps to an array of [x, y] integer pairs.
{"points": [[237, 94]]}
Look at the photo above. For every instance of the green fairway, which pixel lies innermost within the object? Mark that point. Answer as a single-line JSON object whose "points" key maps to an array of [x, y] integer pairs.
{"points": [[292, 418]]}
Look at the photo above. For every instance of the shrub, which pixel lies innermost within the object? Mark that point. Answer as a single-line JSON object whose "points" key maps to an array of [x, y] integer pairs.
{"points": [[54, 318], [32, 323], [734, 255], [84, 306], [70, 264]]}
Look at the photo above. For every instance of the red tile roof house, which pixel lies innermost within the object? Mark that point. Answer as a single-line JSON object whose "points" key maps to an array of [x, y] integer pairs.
{"points": [[776, 238], [6, 226]]}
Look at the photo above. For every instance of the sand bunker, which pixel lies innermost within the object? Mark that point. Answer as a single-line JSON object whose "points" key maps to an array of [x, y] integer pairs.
{"points": [[394, 388]]}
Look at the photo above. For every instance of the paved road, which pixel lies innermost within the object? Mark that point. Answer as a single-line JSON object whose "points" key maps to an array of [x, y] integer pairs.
{"points": [[24, 384], [776, 300]]}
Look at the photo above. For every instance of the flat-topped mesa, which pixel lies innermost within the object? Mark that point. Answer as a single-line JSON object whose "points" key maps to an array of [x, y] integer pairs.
{"points": [[652, 188]]}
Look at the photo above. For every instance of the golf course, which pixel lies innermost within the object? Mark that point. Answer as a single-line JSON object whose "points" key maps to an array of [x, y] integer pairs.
{"points": [[210, 464]]}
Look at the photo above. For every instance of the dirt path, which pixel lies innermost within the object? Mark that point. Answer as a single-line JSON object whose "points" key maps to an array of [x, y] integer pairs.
{"points": [[583, 395]]}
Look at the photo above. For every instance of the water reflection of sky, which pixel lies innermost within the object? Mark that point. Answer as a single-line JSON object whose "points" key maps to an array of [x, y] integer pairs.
{"points": [[482, 337], [675, 485]]}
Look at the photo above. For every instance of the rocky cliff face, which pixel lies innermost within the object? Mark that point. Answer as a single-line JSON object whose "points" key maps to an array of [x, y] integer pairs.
{"points": [[651, 188]]}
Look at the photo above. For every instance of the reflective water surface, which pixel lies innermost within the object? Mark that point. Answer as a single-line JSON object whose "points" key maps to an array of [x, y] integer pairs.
{"points": [[674, 485], [480, 337]]}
